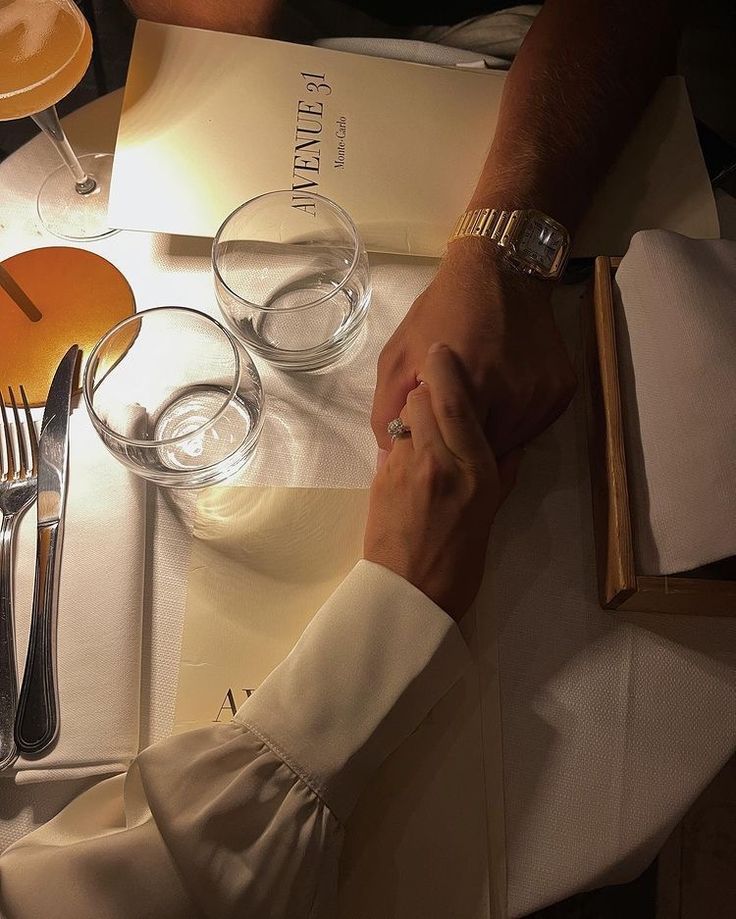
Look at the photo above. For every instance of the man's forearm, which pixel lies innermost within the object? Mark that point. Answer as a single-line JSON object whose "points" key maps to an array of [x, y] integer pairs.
{"points": [[248, 17], [583, 75]]}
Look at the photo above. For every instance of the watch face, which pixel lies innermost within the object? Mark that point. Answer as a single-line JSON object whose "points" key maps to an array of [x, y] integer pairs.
{"points": [[540, 242]]}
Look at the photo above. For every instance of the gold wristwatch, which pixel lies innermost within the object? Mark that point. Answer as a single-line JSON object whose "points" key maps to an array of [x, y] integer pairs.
{"points": [[530, 241]]}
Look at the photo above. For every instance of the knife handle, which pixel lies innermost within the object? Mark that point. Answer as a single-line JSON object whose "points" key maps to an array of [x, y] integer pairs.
{"points": [[37, 718], [8, 682]]}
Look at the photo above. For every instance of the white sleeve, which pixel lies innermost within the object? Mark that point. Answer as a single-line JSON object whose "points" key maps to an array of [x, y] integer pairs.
{"points": [[246, 819]]}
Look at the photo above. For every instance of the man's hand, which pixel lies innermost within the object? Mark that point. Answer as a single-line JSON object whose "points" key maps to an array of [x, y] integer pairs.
{"points": [[575, 90], [500, 325]]}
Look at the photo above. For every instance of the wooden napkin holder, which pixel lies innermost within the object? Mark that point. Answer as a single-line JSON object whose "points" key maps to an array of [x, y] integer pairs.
{"points": [[709, 591]]}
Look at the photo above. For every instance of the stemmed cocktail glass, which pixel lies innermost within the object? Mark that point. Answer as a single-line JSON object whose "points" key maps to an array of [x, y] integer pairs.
{"points": [[45, 48]]}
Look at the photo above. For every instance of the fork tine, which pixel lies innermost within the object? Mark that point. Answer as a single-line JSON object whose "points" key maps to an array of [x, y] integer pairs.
{"points": [[23, 458], [9, 454], [31, 433], [19, 439]]}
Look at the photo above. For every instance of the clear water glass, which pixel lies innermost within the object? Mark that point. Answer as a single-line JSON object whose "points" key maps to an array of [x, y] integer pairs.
{"points": [[292, 278], [175, 397]]}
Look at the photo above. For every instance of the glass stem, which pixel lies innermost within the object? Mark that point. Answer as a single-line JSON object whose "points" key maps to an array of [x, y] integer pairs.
{"points": [[49, 123]]}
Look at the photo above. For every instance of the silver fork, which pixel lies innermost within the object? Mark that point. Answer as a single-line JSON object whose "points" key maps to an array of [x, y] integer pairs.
{"points": [[18, 488]]}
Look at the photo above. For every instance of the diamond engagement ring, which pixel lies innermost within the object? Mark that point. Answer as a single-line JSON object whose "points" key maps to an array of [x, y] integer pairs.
{"points": [[396, 428]]}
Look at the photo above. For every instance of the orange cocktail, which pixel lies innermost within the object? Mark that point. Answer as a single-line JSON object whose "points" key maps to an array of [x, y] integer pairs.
{"points": [[45, 48], [44, 51]]}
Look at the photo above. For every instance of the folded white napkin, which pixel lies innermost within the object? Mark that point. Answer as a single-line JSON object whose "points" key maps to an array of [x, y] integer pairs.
{"points": [[676, 330], [100, 613], [414, 50], [490, 41]]}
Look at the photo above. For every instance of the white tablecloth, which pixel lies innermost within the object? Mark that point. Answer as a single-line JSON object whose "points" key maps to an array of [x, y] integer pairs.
{"points": [[610, 730]]}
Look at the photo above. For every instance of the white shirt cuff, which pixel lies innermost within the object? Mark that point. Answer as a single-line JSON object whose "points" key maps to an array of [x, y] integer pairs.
{"points": [[369, 667]]}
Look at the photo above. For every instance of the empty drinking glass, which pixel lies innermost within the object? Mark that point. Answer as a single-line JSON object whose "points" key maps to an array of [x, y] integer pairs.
{"points": [[174, 397], [292, 278]]}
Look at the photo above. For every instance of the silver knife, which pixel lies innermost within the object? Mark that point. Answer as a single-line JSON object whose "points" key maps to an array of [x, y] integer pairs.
{"points": [[37, 716]]}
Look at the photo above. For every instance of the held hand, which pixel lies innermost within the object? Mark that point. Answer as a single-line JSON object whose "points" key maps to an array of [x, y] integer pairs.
{"points": [[433, 500], [500, 325]]}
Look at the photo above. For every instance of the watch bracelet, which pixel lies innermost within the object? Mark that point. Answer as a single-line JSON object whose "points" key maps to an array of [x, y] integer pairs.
{"points": [[489, 222]]}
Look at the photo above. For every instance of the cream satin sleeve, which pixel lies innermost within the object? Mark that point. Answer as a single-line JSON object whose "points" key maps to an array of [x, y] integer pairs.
{"points": [[246, 819]]}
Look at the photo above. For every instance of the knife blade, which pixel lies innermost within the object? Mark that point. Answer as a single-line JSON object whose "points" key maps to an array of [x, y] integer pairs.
{"points": [[37, 716]]}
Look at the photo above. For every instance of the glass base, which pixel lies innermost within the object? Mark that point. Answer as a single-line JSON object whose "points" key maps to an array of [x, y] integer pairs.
{"points": [[68, 214]]}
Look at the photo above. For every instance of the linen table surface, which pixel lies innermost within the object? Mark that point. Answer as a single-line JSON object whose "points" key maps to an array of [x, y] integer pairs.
{"points": [[610, 730]]}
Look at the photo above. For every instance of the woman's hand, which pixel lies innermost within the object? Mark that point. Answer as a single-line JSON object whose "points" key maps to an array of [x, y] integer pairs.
{"points": [[434, 498]]}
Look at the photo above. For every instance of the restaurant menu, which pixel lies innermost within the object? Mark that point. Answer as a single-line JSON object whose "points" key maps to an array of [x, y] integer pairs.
{"points": [[212, 119], [264, 560]]}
